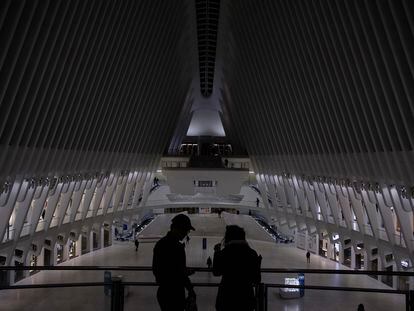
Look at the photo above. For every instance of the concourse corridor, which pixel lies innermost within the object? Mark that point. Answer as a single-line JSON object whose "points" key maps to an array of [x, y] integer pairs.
{"points": [[211, 227]]}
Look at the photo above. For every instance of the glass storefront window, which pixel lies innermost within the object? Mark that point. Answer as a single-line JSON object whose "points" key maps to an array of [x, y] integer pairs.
{"points": [[59, 255], [33, 263], [72, 249]]}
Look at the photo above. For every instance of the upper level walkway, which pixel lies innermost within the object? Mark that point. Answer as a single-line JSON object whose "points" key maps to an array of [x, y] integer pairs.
{"points": [[211, 227]]}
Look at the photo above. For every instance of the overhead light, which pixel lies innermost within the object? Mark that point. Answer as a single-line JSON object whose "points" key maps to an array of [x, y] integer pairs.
{"points": [[251, 172], [159, 171]]}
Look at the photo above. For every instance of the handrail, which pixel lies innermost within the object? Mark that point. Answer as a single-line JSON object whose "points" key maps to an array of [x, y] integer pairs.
{"points": [[200, 269], [54, 285], [270, 285], [331, 271], [118, 286], [340, 288], [156, 284]]}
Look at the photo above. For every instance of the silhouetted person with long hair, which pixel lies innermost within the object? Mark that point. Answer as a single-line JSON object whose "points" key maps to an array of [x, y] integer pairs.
{"points": [[169, 266], [239, 266]]}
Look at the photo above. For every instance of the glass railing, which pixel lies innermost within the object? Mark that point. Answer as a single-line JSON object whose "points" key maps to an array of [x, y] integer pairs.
{"points": [[40, 225], [25, 230], [8, 235], [54, 222], [116, 288]]}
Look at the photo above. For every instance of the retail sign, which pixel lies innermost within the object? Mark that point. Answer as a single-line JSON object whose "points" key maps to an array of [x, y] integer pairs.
{"points": [[289, 293], [205, 210]]}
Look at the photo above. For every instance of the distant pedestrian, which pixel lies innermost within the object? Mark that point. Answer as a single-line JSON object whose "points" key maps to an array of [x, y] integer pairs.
{"points": [[136, 244], [209, 262], [307, 257], [361, 307], [257, 202], [226, 162]]}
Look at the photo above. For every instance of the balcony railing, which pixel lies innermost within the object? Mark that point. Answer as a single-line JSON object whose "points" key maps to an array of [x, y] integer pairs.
{"points": [[116, 286]]}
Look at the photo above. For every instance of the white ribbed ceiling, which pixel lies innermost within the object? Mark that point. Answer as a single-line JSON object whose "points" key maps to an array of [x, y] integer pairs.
{"points": [[321, 87], [307, 87]]}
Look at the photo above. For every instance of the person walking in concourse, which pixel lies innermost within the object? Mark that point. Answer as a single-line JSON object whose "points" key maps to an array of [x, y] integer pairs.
{"points": [[169, 266], [307, 257], [239, 266], [209, 262], [136, 243]]}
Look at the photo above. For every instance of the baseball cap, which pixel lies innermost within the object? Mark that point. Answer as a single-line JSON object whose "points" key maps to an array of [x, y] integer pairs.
{"points": [[182, 221]]}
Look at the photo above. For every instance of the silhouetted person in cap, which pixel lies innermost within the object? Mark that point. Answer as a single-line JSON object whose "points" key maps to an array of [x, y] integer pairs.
{"points": [[240, 267], [169, 266]]}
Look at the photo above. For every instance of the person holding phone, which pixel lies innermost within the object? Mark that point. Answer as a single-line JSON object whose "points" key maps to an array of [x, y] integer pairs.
{"points": [[169, 266], [239, 266]]}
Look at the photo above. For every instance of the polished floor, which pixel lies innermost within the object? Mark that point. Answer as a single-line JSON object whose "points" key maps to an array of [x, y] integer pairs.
{"points": [[140, 298]]}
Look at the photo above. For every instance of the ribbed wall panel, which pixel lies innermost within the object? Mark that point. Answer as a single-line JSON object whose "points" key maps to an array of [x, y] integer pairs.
{"points": [[322, 87], [91, 85]]}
